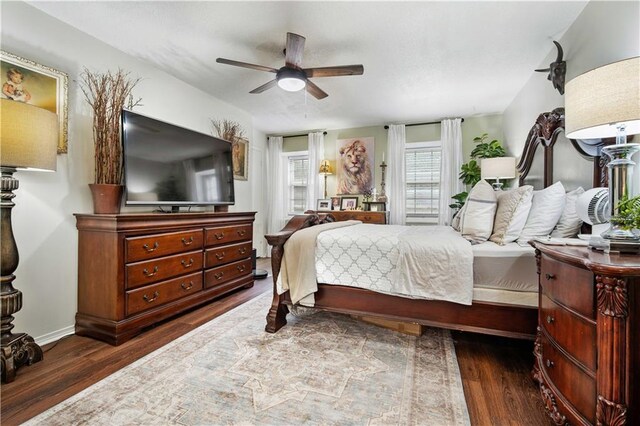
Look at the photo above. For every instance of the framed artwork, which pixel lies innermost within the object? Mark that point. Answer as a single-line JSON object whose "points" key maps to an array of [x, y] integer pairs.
{"points": [[323, 205], [26, 81], [335, 203], [348, 203], [240, 157], [376, 206], [354, 167]]}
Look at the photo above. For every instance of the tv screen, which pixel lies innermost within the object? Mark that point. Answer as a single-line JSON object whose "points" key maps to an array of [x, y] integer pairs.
{"points": [[170, 165]]}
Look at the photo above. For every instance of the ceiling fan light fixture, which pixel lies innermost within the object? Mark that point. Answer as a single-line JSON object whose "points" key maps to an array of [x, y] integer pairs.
{"points": [[291, 80]]}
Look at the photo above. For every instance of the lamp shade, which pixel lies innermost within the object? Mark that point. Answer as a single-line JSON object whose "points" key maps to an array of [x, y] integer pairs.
{"points": [[498, 168], [599, 99], [325, 168], [28, 136]]}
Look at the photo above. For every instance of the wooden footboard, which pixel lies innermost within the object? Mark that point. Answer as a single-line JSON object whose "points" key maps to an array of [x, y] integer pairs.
{"points": [[481, 317]]}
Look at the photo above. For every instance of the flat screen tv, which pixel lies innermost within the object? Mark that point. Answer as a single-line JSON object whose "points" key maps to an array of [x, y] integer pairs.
{"points": [[167, 165]]}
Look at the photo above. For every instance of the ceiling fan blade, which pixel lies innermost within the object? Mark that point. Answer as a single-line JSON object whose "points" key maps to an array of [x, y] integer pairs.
{"points": [[245, 65], [317, 92], [264, 87], [294, 50], [335, 71]]}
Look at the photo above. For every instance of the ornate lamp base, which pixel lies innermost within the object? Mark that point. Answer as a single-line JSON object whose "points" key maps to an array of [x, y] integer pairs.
{"points": [[17, 349]]}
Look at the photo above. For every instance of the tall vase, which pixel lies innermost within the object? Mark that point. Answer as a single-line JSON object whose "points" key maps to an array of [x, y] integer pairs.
{"points": [[106, 198]]}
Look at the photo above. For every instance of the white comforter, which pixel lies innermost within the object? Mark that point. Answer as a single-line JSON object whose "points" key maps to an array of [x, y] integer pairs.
{"points": [[416, 262]]}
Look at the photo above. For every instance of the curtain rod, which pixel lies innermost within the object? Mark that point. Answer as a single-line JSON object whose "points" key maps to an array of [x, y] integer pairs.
{"points": [[424, 124], [297, 136]]}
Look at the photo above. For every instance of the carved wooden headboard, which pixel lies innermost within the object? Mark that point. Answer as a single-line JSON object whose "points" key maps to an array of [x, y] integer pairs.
{"points": [[545, 132]]}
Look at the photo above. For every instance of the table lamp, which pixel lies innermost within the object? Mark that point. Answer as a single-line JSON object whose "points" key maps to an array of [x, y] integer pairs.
{"points": [[28, 141], [498, 168], [325, 169], [602, 103]]}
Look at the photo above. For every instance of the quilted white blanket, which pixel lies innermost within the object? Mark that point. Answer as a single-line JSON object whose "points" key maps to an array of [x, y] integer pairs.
{"points": [[426, 262]]}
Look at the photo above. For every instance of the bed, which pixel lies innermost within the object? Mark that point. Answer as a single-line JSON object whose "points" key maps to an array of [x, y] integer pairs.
{"points": [[505, 278]]}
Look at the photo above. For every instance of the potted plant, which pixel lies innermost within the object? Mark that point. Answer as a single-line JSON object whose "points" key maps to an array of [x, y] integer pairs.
{"points": [[628, 214], [107, 94]]}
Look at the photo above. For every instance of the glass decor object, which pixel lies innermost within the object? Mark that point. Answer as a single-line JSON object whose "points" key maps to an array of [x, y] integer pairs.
{"points": [[603, 103]]}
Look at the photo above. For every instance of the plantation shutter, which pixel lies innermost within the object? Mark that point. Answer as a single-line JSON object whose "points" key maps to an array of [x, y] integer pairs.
{"points": [[298, 172], [422, 168]]}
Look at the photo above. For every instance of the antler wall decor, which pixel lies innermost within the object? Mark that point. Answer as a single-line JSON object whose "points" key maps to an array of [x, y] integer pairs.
{"points": [[557, 70]]}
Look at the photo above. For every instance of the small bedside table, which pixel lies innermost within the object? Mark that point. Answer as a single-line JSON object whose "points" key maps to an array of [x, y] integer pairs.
{"points": [[364, 216]]}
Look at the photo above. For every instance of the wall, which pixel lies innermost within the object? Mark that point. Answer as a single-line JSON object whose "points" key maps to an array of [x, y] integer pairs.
{"points": [[471, 127], [43, 221], [588, 43]]}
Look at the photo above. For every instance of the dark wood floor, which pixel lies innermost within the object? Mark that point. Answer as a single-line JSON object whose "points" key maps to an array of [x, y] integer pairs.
{"points": [[495, 371]]}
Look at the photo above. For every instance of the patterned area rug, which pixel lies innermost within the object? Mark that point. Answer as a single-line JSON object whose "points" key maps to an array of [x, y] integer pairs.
{"points": [[323, 369]]}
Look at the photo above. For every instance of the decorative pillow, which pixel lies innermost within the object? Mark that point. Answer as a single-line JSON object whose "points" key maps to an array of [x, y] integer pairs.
{"points": [[546, 207], [455, 223], [480, 209], [512, 213], [569, 224]]}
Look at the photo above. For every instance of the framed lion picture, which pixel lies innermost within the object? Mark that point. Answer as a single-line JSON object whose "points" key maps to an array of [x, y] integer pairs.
{"points": [[355, 170]]}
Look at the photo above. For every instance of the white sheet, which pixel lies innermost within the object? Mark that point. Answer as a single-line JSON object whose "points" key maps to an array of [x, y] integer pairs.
{"points": [[428, 262], [509, 267]]}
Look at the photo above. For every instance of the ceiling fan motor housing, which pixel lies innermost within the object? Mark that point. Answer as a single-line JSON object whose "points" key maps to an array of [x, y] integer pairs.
{"points": [[291, 79]]}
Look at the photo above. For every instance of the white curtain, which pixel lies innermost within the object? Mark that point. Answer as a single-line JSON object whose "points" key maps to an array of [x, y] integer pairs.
{"points": [[314, 180], [395, 179], [275, 178], [450, 184]]}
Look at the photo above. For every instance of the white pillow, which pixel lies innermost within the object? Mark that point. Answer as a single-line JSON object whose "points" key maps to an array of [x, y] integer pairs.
{"points": [[455, 223], [569, 224], [546, 207], [480, 209], [512, 213]]}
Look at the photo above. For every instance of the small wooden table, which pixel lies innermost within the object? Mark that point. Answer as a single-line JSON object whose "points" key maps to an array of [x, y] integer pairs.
{"points": [[364, 216]]}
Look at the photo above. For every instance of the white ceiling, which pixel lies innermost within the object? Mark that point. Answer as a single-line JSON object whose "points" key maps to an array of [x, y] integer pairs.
{"points": [[423, 60]]}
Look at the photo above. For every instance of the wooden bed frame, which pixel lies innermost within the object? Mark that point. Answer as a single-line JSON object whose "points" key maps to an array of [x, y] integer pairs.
{"points": [[500, 319]]}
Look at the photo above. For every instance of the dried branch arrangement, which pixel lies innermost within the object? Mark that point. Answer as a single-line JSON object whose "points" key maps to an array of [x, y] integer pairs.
{"points": [[227, 129], [107, 94]]}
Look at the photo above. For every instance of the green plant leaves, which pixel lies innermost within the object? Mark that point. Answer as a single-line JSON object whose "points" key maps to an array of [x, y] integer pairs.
{"points": [[628, 213], [470, 173]]}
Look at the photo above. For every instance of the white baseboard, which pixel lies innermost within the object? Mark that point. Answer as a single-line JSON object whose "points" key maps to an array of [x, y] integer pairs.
{"points": [[55, 335]]}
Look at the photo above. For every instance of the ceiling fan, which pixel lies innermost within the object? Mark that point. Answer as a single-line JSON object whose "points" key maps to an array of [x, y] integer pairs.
{"points": [[292, 77]]}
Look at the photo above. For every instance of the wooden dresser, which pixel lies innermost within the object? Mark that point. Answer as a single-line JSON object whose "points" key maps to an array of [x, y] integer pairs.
{"points": [[588, 344], [137, 269], [364, 216]]}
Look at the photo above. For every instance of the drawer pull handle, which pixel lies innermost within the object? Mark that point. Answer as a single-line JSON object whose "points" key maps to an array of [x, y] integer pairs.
{"points": [[243, 250], [550, 363], [187, 287], [220, 255], [241, 232], [550, 277], [218, 275], [150, 274], [219, 236], [187, 243], [187, 265], [550, 319], [153, 298], [241, 268], [150, 249]]}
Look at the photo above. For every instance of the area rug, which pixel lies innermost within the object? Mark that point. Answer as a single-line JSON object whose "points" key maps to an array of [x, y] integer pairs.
{"points": [[324, 369]]}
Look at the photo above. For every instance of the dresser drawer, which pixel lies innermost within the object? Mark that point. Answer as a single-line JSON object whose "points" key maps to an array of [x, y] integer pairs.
{"points": [[158, 294], [576, 335], [158, 245], [227, 234], [573, 383], [568, 285], [150, 271], [222, 274], [225, 254]]}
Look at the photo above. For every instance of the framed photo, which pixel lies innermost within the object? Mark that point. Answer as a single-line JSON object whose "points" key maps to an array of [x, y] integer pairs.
{"points": [[377, 206], [355, 166], [348, 203], [324, 205], [335, 203], [240, 157], [26, 81]]}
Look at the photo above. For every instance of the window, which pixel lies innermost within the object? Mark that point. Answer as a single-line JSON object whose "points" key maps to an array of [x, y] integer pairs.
{"points": [[422, 168], [297, 164]]}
